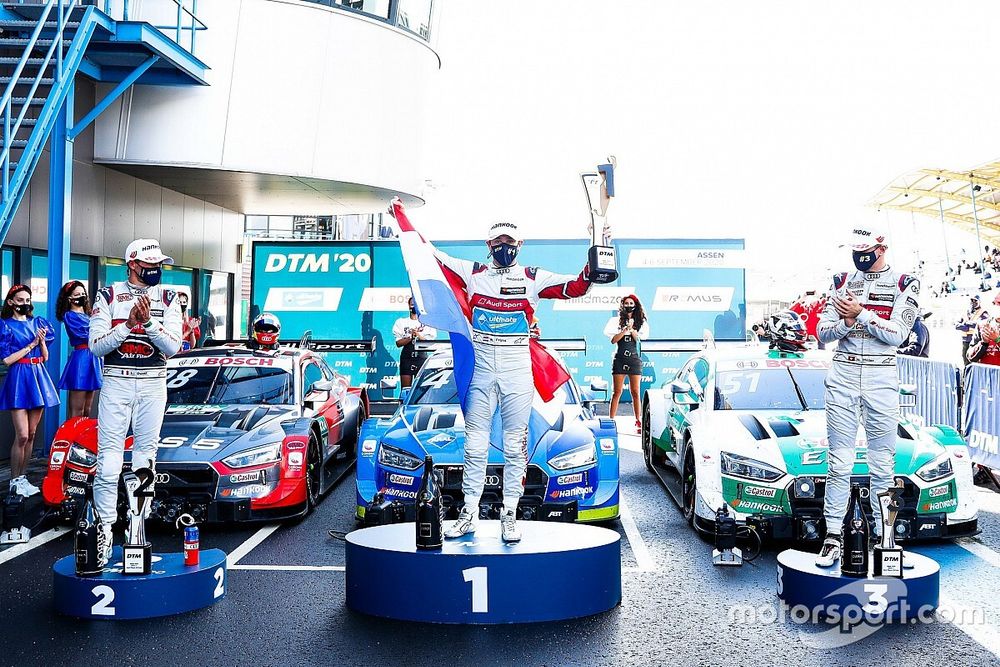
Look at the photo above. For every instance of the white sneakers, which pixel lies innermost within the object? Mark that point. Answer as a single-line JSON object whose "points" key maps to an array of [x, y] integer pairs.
{"points": [[464, 524], [23, 487], [105, 540], [829, 553], [509, 532]]}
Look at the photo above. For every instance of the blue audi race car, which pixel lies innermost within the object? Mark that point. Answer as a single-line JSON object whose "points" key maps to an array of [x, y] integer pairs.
{"points": [[572, 472]]}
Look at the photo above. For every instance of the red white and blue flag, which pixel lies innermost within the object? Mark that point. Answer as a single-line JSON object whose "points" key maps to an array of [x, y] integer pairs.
{"points": [[443, 303]]}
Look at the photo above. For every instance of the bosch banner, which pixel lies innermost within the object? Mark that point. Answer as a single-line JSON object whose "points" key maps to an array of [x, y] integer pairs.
{"points": [[357, 290]]}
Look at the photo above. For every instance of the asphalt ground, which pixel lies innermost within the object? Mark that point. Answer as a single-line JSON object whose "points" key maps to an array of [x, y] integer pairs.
{"points": [[285, 605]]}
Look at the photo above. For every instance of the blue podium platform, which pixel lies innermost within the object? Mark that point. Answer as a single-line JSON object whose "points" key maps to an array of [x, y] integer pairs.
{"points": [[558, 571], [825, 592], [171, 588]]}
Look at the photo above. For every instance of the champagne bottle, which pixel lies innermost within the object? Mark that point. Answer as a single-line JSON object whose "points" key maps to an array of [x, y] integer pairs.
{"points": [[85, 538], [854, 561], [428, 513]]}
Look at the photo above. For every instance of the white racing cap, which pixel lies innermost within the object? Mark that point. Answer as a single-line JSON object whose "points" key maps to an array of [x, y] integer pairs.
{"points": [[146, 250], [502, 227], [866, 235]]}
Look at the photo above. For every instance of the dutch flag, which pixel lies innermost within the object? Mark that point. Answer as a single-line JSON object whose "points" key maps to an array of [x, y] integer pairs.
{"points": [[443, 303]]}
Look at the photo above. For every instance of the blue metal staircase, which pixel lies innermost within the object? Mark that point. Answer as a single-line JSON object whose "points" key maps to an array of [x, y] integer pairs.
{"points": [[45, 44]]}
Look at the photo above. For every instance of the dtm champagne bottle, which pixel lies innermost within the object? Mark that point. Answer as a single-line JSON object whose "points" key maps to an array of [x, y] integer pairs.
{"points": [[85, 538], [854, 561], [429, 509]]}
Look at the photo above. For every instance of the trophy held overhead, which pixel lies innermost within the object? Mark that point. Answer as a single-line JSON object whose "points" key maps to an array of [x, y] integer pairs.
{"points": [[599, 186]]}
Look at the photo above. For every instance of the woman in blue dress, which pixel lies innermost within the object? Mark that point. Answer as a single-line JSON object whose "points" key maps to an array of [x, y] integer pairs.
{"points": [[27, 389], [81, 376]]}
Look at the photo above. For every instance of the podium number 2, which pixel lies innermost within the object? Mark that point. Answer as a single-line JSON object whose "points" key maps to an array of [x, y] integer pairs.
{"points": [[480, 589], [105, 596], [220, 585]]}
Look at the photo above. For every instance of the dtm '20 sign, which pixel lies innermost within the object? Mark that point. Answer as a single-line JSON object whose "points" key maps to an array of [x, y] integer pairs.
{"points": [[357, 290]]}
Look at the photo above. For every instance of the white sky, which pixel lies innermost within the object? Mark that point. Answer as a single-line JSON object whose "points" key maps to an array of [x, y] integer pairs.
{"points": [[773, 121]]}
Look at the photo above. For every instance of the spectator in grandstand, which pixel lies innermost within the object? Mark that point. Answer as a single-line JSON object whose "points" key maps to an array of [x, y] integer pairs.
{"points": [[968, 324], [985, 346], [919, 342]]}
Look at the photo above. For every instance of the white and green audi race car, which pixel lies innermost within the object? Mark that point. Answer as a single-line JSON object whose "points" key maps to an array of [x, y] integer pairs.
{"points": [[745, 426]]}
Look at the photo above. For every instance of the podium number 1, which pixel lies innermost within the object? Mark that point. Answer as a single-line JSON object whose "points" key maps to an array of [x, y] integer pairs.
{"points": [[480, 589]]}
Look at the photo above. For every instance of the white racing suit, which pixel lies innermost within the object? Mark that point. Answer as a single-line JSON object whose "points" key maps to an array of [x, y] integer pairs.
{"points": [[863, 385], [135, 386], [502, 301]]}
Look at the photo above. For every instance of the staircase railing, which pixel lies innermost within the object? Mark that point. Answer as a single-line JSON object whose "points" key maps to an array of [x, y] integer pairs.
{"points": [[65, 63], [187, 19]]}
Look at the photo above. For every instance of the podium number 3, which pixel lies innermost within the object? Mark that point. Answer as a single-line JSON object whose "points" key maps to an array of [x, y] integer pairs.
{"points": [[105, 596], [480, 589]]}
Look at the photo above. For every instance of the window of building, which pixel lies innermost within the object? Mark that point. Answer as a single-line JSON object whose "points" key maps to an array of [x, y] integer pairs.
{"points": [[415, 16], [79, 269], [213, 306], [6, 270]]}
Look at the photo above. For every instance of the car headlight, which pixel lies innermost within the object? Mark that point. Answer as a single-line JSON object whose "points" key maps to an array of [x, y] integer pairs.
{"points": [[574, 458], [255, 457], [397, 458], [741, 466], [82, 456], [936, 469]]}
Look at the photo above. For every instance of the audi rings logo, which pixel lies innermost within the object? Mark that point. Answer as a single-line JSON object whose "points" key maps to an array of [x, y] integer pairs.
{"points": [[746, 364], [162, 478], [493, 480]]}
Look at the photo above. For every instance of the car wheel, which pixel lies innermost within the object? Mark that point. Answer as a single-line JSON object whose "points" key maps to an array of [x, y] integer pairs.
{"points": [[651, 454], [689, 485], [314, 466]]}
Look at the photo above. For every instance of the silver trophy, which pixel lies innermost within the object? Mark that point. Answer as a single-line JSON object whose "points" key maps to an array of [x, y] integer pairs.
{"points": [[137, 553], [600, 188], [888, 556]]}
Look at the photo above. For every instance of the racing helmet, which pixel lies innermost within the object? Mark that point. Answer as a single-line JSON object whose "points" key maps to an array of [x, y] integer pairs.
{"points": [[787, 331], [265, 331]]}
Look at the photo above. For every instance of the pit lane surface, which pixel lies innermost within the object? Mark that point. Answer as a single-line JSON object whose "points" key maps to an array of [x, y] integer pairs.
{"points": [[285, 605]]}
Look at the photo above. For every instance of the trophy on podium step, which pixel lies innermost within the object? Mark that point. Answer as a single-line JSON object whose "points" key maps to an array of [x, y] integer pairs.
{"points": [[137, 553], [600, 188], [888, 556]]}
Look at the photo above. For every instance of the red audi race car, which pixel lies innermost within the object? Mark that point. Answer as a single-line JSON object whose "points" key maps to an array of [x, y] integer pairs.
{"points": [[247, 435]]}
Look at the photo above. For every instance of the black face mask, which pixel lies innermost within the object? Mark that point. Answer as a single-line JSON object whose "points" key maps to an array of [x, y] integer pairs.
{"points": [[628, 309], [504, 254], [79, 301], [864, 260], [183, 306], [151, 276], [24, 309], [413, 311]]}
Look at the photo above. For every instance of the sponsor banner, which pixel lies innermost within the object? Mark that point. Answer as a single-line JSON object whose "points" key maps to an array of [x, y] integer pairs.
{"points": [[686, 258], [303, 282], [714, 299], [600, 297], [385, 299], [283, 299], [982, 419]]}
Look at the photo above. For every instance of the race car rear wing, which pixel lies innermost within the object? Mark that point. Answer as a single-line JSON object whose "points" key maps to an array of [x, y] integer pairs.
{"points": [[308, 343]]}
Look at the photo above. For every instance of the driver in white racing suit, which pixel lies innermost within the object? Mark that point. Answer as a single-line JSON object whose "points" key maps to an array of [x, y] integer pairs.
{"points": [[135, 325], [502, 297], [869, 315]]}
